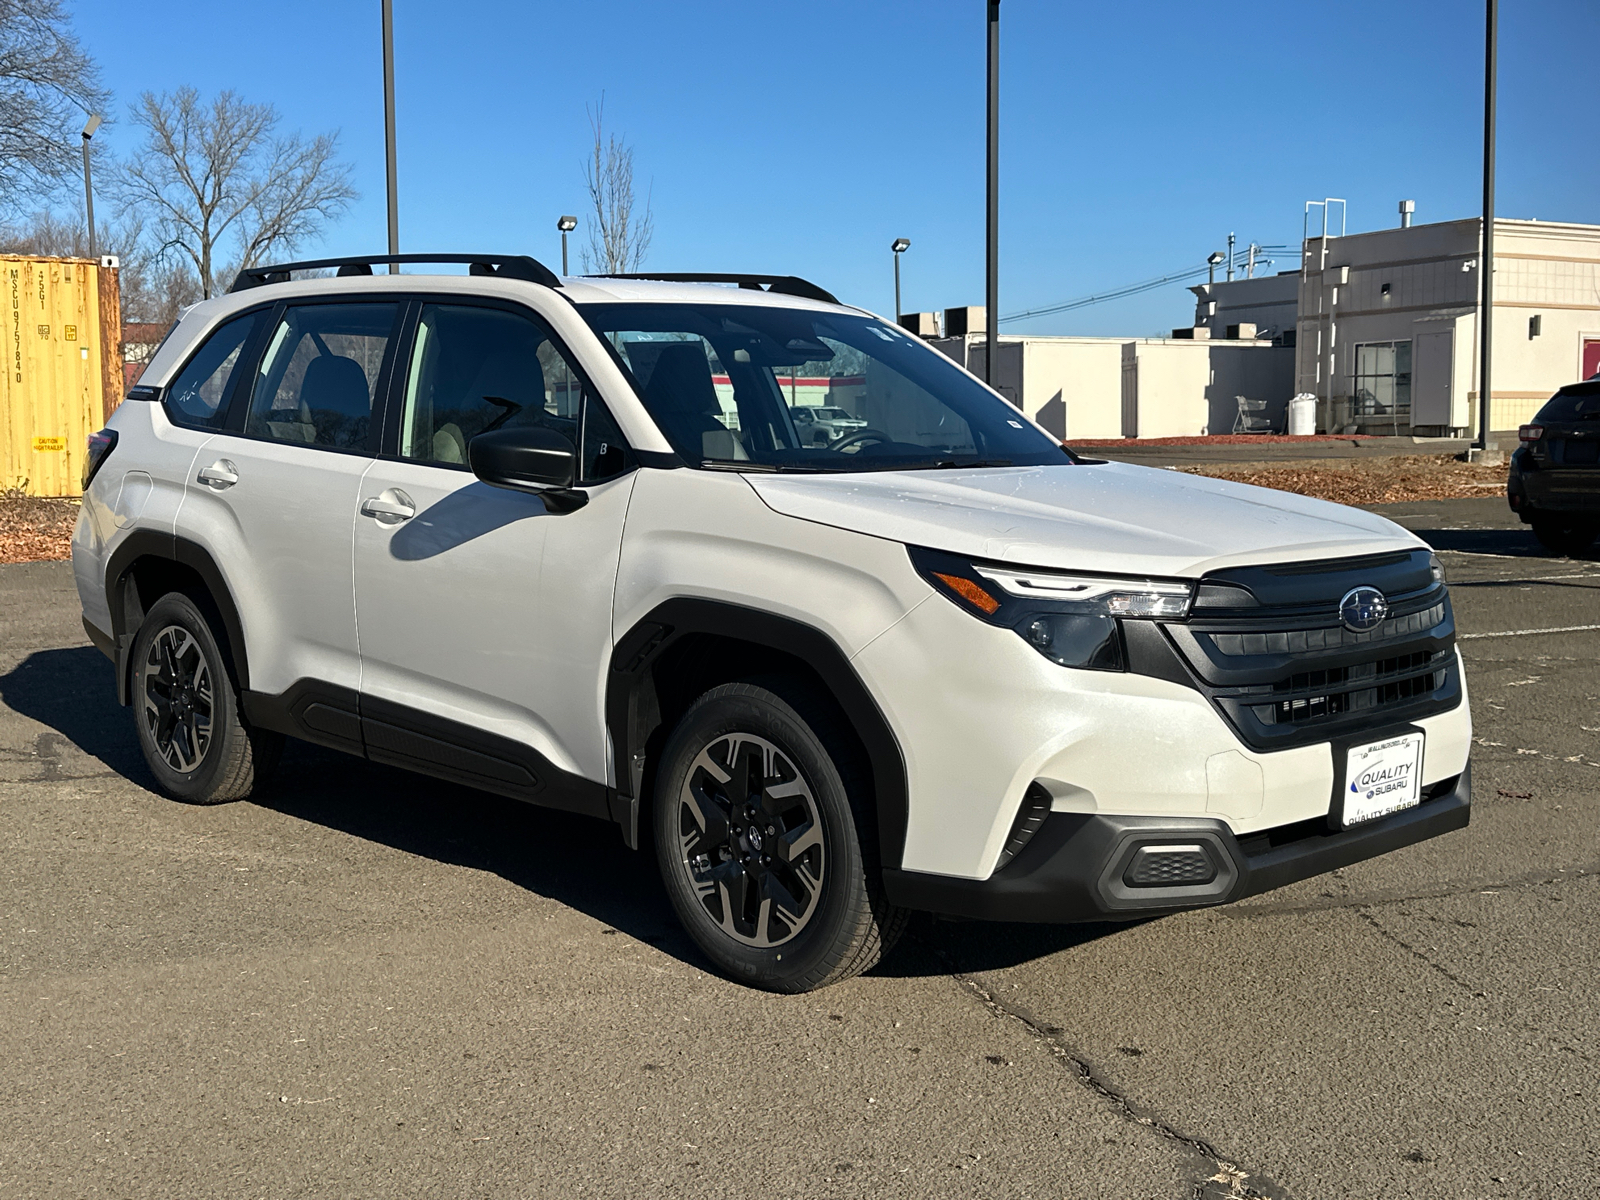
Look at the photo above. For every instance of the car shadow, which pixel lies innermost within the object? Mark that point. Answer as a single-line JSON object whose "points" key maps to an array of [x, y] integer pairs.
{"points": [[74, 692], [576, 861]]}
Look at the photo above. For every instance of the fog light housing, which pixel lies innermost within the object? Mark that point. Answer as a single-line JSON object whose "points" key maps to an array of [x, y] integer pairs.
{"points": [[1170, 865]]}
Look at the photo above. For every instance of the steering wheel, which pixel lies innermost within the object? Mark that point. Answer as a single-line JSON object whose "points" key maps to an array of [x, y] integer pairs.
{"points": [[860, 437]]}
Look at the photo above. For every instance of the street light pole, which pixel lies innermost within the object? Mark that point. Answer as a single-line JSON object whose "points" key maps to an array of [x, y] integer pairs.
{"points": [[566, 225], [388, 132], [1486, 262], [88, 186], [991, 295], [899, 246]]}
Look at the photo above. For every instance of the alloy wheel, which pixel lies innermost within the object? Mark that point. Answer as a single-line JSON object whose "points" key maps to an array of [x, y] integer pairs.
{"points": [[750, 839], [177, 698]]}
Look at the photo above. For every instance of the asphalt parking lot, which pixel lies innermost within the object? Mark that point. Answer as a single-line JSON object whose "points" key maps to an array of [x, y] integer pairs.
{"points": [[369, 984]]}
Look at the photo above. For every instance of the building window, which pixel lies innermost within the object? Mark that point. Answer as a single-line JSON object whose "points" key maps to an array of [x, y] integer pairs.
{"points": [[1383, 379]]}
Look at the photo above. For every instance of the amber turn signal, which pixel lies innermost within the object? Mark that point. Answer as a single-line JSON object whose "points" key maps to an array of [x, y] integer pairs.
{"points": [[970, 592]]}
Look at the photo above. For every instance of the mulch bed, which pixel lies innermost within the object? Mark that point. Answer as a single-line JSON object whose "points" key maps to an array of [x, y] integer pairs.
{"points": [[34, 529], [1227, 439], [1397, 480]]}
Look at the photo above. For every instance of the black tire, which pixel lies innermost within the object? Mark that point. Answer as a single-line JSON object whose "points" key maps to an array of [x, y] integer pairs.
{"points": [[757, 915], [1565, 535], [186, 708]]}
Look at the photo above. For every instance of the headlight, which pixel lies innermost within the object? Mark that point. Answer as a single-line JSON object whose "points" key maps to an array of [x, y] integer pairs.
{"points": [[1072, 620], [1436, 567]]}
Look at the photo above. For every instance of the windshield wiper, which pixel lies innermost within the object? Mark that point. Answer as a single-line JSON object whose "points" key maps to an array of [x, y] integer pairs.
{"points": [[740, 464], [948, 464]]}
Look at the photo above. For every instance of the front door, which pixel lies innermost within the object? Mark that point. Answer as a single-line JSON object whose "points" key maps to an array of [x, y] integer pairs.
{"points": [[1591, 358], [275, 495], [485, 619]]}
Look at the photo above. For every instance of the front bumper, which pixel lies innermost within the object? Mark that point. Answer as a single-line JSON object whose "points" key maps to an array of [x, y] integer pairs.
{"points": [[1075, 867]]}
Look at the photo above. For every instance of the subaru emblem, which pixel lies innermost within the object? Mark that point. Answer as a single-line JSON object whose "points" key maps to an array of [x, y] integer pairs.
{"points": [[1363, 609]]}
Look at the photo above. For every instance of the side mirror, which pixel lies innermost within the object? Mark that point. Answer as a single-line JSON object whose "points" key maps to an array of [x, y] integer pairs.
{"points": [[529, 458]]}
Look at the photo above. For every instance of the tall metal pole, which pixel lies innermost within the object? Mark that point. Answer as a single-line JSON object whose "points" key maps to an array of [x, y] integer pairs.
{"points": [[88, 197], [1230, 258], [388, 131], [564, 270], [991, 294], [992, 284], [1486, 262], [896, 254]]}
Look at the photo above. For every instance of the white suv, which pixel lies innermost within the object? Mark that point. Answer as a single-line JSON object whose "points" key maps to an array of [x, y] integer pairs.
{"points": [[560, 539]]}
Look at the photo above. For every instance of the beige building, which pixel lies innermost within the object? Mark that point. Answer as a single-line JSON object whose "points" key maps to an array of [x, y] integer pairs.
{"points": [[1388, 323]]}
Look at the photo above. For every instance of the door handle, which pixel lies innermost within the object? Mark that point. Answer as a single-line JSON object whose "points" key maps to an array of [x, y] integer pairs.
{"points": [[389, 507], [220, 474]]}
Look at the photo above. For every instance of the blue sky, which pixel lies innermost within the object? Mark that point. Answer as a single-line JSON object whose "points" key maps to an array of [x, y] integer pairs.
{"points": [[803, 137]]}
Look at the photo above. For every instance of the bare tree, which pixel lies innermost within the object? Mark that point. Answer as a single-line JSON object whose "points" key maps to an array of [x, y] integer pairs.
{"points": [[618, 240], [47, 86], [223, 189]]}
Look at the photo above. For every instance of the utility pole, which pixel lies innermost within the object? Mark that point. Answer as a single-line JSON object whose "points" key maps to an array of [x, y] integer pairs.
{"points": [[388, 131], [991, 293], [1230, 258], [1486, 261]]}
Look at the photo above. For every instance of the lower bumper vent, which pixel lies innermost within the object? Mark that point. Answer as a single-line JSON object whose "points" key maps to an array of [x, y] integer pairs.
{"points": [[1035, 808], [1170, 866]]}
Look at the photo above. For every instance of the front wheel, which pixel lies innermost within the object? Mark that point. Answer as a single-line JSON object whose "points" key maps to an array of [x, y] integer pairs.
{"points": [[770, 867], [1565, 535], [193, 736]]}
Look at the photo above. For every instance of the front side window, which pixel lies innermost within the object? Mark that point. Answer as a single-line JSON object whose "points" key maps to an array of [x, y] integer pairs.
{"points": [[1383, 379], [197, 398], [748, 384], [473, 370], [319, 375]]}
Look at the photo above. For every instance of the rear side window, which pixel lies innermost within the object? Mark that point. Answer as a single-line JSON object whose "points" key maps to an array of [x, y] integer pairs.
{"points": [[1570, 406], [319, 375], [198, 397]]}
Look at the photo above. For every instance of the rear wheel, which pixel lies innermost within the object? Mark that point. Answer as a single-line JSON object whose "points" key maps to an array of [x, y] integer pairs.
{"points": [[1565, 535], [770, 866], [193, 736]]}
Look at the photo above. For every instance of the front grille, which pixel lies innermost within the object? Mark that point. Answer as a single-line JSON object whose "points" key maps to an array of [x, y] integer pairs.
{"points": [[1319, 695], [1285, 672], [1306, 641]]}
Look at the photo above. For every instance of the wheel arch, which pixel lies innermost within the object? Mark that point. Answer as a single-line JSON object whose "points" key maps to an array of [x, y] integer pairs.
{"points": [[146, 566], [685, 646]]}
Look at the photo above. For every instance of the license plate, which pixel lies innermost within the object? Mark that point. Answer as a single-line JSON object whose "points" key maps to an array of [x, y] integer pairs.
{"points": [[1382, 778]]}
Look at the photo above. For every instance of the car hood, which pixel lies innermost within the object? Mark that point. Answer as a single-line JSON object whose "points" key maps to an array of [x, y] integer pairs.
{"points": [[1086, 517]]}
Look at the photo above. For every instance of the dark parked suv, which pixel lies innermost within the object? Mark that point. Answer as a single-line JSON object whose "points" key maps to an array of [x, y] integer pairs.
{"points": [[1554, 483]]}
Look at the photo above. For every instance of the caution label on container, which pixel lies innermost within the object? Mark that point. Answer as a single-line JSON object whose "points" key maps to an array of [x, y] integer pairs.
{"points": [[49, 445]]}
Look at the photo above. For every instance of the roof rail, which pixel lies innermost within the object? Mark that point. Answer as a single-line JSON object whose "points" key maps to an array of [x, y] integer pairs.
{"points": [[787, 285], [506, 266]]}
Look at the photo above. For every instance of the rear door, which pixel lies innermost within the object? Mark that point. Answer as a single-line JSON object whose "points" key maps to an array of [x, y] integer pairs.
{"points": [[275, 497], [486, 620]]}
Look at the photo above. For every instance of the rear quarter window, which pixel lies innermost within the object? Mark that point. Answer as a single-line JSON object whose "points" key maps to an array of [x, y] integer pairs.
{"points": [[1570, 406], [198, 397]]}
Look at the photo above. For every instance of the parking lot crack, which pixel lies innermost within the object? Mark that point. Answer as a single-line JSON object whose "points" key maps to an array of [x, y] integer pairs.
{"points": [[1390, 936], [1221, 1178]]}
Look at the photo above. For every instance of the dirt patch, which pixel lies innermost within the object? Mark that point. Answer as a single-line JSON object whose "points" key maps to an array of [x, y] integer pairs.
{"points": [[35, 530], [1229, 439], [1396, 480]]}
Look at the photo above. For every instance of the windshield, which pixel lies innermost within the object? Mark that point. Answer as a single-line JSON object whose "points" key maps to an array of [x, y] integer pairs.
{"points": [[785, 389]]}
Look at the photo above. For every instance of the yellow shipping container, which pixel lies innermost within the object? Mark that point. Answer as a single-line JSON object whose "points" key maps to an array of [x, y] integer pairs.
{"points": [[61, 335]]}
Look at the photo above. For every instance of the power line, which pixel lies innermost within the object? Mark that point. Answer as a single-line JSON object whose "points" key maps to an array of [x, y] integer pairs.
{"points": [[1131, 289]]}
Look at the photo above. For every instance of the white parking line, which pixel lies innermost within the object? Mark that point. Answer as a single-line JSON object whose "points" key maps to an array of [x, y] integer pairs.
{"points": [[1525, 632]]}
